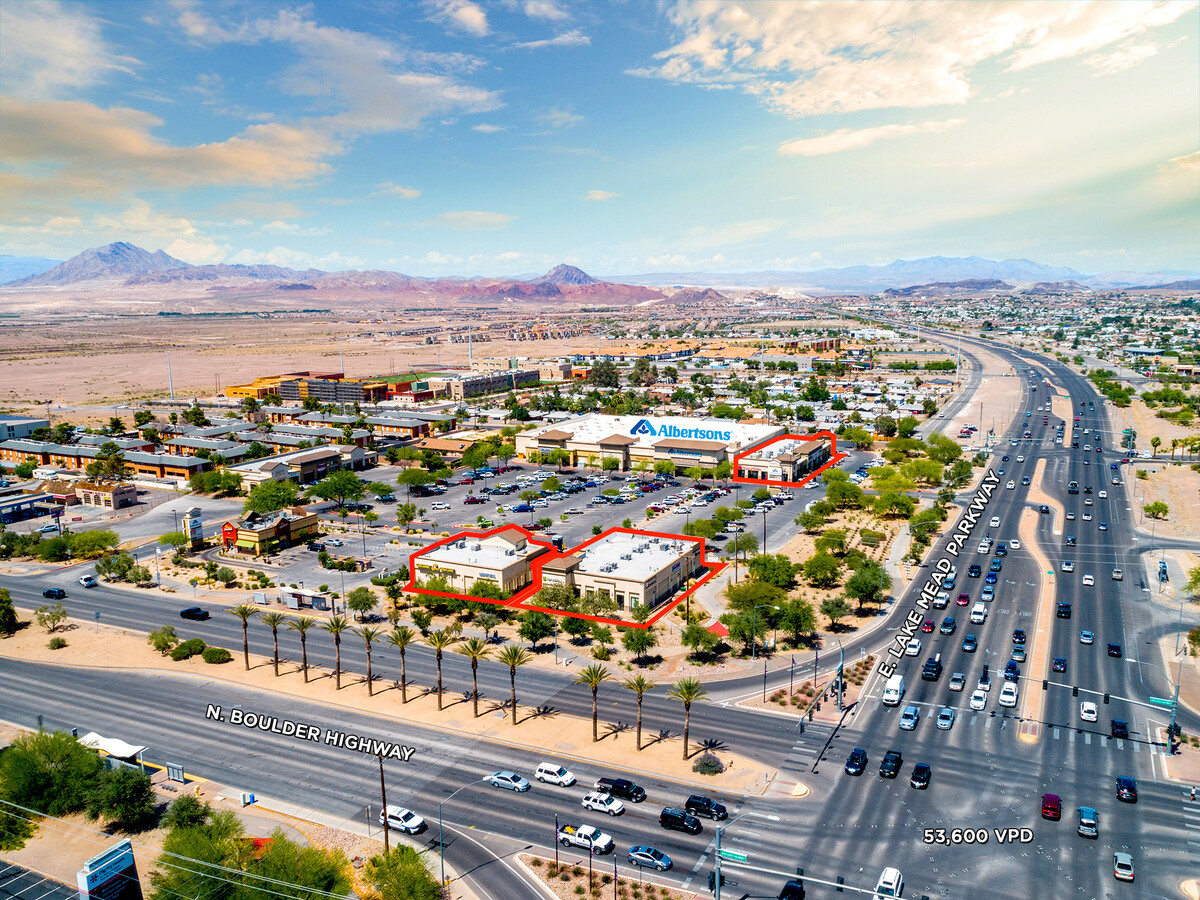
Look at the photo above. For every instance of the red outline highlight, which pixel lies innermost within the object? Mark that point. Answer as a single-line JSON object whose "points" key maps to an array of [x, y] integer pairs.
{"points": [[517, 600], [834, 459]]}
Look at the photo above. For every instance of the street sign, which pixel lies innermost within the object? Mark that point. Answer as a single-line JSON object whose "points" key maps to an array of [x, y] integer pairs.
{"points": [[733, 855], [1159, 701]]}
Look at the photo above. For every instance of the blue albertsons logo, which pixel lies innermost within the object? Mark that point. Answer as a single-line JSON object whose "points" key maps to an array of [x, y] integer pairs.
{"points": [[643, 426]]}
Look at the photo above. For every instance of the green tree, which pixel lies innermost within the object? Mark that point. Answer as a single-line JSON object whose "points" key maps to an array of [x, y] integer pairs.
{"points": [[535, 626], [845, 495], [50, 772], [176, 540], [604, 374], [639, 641], [301, 626], [125, 798], [907, 426], [163, 639], [822, 569], [8, 614], [797, 617], [341, 487], [370, 634], [893, 505], [361, 601], [699, 640], [273, 620], [1155, 442], [514, 657], [405, 513], [942, 449], [401, 637], [143, 417], [439, 641], [723, 470], [811, 521], [109, 463], [401, 875], [610, 464], [835, 608], [186, 811], [475, 457], [664, 467], [744, 628], [869, 583], [270, 496], [245, 613], [1157, 509], [337, 626], [50, 617], [414, 477], [774, 569], [224, 575], [475, 649], [687, 691], [593, 676], [744, 596]]}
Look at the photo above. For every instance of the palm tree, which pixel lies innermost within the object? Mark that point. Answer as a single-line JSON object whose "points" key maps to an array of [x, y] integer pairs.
{"points": [[302, 624], [687, 691], [1156, 442], [639, 684], [369, 633], [593, 676], [273, 620], [475, 649], [245, 612], [400, 637], [336, 626], [439, 641], [514, 657]]}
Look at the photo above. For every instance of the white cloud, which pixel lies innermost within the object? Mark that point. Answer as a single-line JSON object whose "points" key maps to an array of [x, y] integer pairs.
{"points": [[572, 38], [391, 189], [53, 225], [201, 252], [458, 15], [803, 59], [1187, 163], [600, 195], [298, 259], [550, 10], [470, 220], [49, 48], [560, 118], [280, 227], [1124, 57], [486, 128], [854, 139]]}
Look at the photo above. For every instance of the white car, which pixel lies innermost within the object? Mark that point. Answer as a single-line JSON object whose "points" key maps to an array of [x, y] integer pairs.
{"points": [[1008, 695], [1014, 545], [553, 773], [1068, 566], [402, 819], [1103, 495], [336, 542], [539, 504], [1020, 459], [909, 718], [995, 523], [1088, 712], [1070, 517], [598, 801], [978, 700], [913, 648], [574, 511], [1088, 581], [945, 719], [1011, 485], [1087, 517], [440, 505]]}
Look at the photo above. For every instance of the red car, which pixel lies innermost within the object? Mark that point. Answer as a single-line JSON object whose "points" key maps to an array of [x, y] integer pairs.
{"points": [[963, 600], [465, 481], [927, 626], [1051, 806], [474, 499]]}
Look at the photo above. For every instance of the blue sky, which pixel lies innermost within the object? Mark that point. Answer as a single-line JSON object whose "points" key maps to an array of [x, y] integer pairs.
{"points": [[456, 137]]}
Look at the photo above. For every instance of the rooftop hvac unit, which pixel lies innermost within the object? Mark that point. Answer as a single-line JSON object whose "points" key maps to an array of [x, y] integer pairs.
{"points": [[510, 552], [627, 556], [476, 547], [654, 540]]}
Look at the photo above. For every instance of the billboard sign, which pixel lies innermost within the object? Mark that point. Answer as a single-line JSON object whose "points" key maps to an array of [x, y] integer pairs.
{"points": [[111, 875]]}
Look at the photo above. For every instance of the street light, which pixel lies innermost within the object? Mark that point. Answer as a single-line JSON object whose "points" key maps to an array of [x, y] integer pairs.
{"points": [[441, 844], [720, 831], [754, 628], [1174, 700]]}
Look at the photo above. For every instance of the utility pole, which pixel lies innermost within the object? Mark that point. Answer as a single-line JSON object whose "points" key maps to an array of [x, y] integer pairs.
{"points": [[383, 800], [170, 381], [470, 351]]}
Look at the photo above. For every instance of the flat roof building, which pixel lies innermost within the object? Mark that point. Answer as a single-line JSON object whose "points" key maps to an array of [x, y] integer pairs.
{"points": [[630, 568], [786, 460], [500, 557], [17, 427]]}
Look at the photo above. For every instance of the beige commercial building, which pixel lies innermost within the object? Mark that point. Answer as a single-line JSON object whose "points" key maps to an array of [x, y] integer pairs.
{"points": [[786, 460], [501, 558], [629, 568]]}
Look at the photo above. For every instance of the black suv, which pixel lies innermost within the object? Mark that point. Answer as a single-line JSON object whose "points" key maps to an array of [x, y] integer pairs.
{"points": [[705, 806], [973, 571], [932, 670], [622, 788], [54, 594], [1063, 611], [1119, 728], [678, 820], [890, 766], [856, 762]]}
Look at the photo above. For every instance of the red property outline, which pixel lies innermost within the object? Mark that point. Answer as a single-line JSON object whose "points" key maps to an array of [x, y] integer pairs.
{"points": [[517, 600], [834, 459]]}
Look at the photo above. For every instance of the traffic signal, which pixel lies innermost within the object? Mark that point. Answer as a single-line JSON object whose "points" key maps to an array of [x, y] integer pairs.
{"points": [[1075, 690], [1106, 698], [840, 880], [1045, 685], [712, 880]]}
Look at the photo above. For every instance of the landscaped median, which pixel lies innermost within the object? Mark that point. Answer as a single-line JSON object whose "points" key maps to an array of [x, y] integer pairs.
{"points": [[572, 878], [1033, 698], [557, 735]]}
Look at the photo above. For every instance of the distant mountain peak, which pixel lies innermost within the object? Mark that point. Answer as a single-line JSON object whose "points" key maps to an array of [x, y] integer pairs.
{"points": [[116, 260], [564, 274]]}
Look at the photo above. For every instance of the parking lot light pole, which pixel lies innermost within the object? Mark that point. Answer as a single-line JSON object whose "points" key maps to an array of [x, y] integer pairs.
{"points": [[441, 845]]}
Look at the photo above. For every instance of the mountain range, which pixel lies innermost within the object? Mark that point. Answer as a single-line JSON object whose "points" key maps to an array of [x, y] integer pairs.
{"points": [[127, 264]]}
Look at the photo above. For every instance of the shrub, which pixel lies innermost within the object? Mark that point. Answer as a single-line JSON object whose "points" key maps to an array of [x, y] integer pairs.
{"points": [[187, 649], [216, 655], [57, 643], [580, 890], [536, 863], [602, 653], [708, 764]]}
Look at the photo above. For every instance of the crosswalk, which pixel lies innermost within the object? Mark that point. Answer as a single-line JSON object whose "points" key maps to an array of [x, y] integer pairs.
{"points": [[801, 757]]}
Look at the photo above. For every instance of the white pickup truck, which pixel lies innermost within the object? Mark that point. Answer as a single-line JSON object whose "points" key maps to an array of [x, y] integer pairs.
{"points": [[585, 836]]}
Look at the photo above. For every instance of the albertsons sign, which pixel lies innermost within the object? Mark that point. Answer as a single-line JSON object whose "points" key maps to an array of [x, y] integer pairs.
{"points": [[645, 426]]}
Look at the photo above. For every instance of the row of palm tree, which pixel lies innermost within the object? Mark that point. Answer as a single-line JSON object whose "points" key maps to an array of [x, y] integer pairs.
{"points": [[687, 690]]}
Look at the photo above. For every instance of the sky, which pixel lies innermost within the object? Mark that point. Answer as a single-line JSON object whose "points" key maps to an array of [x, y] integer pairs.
{"points": [[452, 137]]}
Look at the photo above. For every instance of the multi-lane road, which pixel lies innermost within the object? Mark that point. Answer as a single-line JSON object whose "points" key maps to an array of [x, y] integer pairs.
{"points": [[984, 775]]}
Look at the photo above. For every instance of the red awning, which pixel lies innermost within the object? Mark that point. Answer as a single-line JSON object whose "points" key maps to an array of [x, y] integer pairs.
{"points": [[718, 629]]}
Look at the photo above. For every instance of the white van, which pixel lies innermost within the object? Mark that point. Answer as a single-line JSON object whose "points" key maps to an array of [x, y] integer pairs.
{"points": [[978, 614], [893, 691], [941, 601], [890, 884]]}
